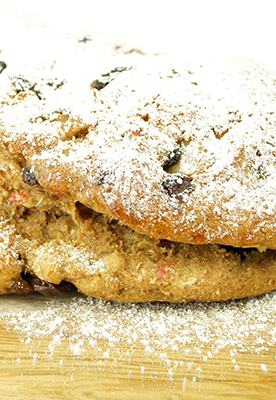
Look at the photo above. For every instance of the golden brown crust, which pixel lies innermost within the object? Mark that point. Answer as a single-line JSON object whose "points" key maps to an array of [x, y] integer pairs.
{"points": [[173, 149]]}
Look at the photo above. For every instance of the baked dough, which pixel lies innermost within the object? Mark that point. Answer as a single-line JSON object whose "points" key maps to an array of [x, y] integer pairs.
{"points": [[46, 239], [174, 149], [139, 181]]}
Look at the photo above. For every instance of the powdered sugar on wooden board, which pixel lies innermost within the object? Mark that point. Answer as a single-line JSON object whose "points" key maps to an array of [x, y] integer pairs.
{"points": [[165, 332]]}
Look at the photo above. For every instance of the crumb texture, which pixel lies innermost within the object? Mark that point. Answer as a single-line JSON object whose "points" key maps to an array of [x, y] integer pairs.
{"points": [[47, 238]]}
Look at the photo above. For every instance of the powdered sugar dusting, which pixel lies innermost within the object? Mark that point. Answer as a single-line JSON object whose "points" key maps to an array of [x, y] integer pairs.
{"points": [[217, 111], [179, 336], [212, 110], [66, 258]]}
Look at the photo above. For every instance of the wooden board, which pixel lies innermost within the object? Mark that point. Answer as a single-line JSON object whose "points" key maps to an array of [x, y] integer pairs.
{"points": [[79, 348]]}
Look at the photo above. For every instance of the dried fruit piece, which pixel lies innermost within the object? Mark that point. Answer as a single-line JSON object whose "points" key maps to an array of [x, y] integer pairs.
{"points": [[46, 288], [173, 159], [3, 65], [163, 274], [85, 39], [99, 85], [28, 176], [108, 77], [177, 185], [102, 178], [18, 198], [20, 287]]}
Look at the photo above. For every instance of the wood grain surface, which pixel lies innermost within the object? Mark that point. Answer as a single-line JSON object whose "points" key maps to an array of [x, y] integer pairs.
{"points": [[46, 353]]}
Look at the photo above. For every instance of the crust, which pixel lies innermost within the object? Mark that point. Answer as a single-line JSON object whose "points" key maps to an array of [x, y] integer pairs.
{"points": [[133, 183], [116, 150]]}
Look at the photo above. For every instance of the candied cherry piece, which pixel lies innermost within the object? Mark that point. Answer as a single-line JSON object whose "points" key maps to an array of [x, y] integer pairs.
{"points": [[163, 274], [18, 198]]}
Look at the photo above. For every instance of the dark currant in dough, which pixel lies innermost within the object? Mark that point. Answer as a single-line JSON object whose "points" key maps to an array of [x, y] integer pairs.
{"points": [[102, 178], [172, 160], [28, 176], [177, 185], [107, 77], [99, 85], [3, 65]]}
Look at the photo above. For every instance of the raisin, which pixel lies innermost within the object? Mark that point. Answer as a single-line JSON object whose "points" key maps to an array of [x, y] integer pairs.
{"points": [[107, 77], [119, 69], [173, 159], [177, 185], [28, 176], [46, 288], [102, 178], [99, 85], [85, 39], [20, 287], [3, 65], [24, 85]]}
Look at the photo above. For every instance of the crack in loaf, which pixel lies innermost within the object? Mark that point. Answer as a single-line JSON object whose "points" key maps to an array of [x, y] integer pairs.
{"points": [[154, 182]]}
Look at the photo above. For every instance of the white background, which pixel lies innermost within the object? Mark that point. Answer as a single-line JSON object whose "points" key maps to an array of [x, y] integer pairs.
{"points": [[245, 27]]}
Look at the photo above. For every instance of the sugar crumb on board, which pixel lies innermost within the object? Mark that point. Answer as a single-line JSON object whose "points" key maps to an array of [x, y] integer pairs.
{"points": [[180, 336]]}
